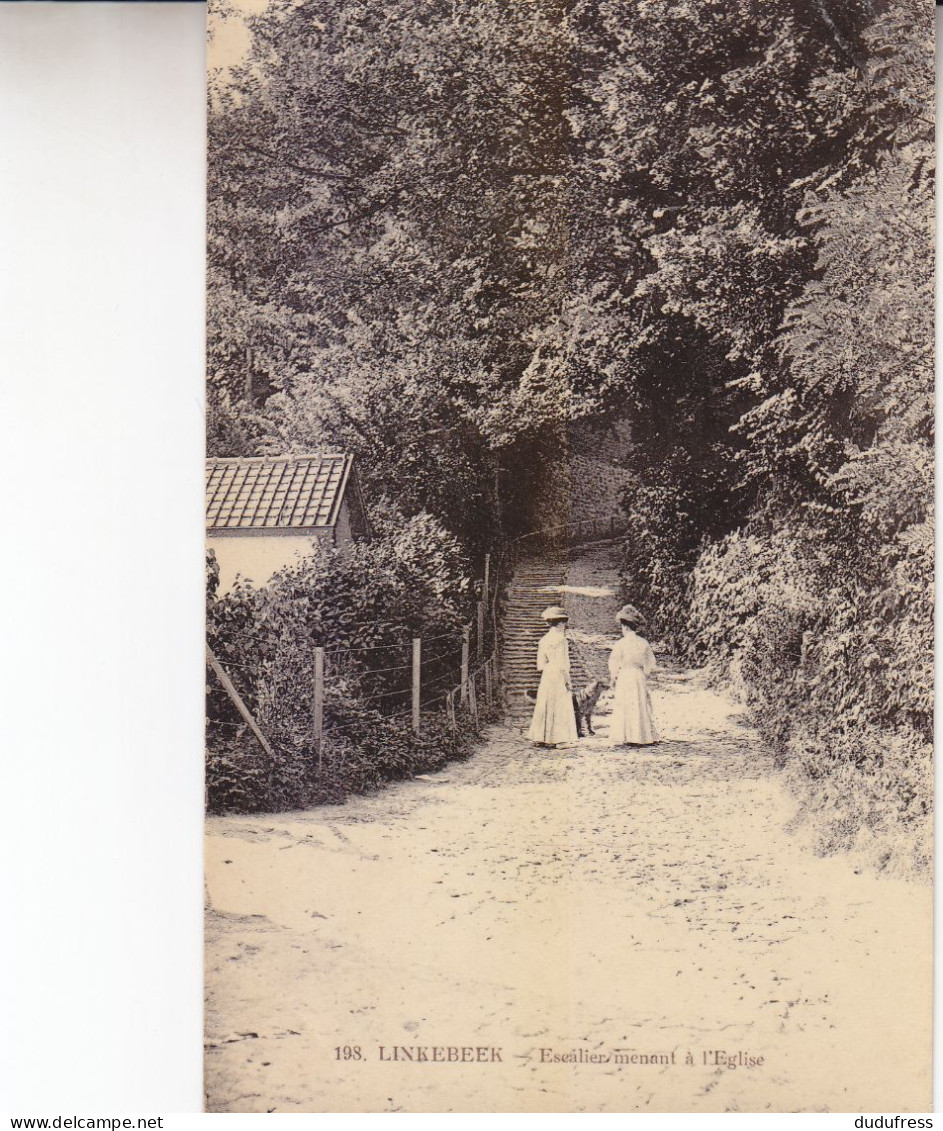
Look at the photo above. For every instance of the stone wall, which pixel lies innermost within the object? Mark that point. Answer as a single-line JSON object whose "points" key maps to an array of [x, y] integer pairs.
{"points": [[596, 488], [598, 454], [576, 474]]}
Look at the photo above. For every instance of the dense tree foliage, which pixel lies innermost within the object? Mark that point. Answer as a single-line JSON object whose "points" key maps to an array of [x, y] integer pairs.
{"points": [[553, 211], [822, 604]]}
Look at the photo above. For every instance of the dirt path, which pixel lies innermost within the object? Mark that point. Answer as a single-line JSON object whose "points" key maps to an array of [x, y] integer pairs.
{"points": [[620, 908]]}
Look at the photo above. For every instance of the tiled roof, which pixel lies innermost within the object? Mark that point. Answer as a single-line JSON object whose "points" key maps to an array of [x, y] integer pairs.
{"points": [[286, 492]]}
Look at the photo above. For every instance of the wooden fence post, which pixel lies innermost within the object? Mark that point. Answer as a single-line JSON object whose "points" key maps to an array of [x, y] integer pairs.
{"points": [[480, 636], [317, 714], [466, 632], [234, 695], [417, 671]]}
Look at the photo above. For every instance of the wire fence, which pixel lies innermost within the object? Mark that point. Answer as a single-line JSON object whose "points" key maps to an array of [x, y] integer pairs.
{"points": [[445, 682], [464, 682]]}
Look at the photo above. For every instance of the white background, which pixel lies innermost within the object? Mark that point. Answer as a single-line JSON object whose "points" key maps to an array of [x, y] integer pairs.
{"points": [[101, 466], [102, 189]]}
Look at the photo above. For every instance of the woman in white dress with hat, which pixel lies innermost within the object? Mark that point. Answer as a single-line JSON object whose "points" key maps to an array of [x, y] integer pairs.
{"points": [[554, 721], [630, 661]]}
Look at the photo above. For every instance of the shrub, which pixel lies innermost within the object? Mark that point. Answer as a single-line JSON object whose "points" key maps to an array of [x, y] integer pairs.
{"points": [[659, 548], [363, 606], [238, 776], [868, 789], [674, 506], [827, 635], [363, 754]]}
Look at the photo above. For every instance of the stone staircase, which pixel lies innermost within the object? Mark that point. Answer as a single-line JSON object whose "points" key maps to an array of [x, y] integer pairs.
{"points": [[523, 628]]}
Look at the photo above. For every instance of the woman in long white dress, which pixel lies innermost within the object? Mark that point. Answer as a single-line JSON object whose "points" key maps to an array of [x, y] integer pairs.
{"points": [[554, 721], [630, 661]]}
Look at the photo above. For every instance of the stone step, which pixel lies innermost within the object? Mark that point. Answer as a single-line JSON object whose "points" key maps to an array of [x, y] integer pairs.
{"points": [[522, 628]]}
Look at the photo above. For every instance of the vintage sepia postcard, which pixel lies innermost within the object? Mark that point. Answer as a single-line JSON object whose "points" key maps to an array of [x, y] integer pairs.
{"points": [[569, 556]]}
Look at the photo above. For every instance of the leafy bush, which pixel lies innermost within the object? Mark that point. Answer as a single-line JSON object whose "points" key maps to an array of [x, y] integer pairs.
{"points": [[828, 637], [238, 776], [672, 507], [869, 789], [655, 558], [363, 606], [358, 757], [752, 583]]}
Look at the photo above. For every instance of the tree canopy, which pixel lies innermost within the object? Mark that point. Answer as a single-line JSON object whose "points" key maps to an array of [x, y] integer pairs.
{"points": [[439, 228]]}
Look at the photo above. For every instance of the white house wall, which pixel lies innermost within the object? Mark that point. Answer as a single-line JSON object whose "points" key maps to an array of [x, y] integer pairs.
{"points": [[257, 556]]}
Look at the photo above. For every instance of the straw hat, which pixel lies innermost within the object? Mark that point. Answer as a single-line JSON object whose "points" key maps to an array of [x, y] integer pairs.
{"points": [[629, 615], [554, 612]]}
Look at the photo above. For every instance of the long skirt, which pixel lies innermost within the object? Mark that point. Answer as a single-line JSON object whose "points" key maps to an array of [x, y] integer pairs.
{"points": [[632, 719], [554, 720]]}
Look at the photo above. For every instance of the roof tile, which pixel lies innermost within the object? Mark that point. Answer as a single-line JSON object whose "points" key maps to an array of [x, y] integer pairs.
{"points": [[285, 492]]}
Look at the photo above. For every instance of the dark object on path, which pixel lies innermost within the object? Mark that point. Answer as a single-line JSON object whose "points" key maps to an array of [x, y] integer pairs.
{"points": [[583, 704]]}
